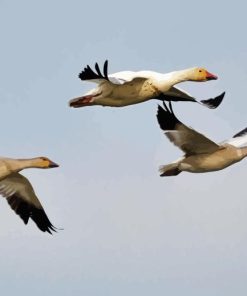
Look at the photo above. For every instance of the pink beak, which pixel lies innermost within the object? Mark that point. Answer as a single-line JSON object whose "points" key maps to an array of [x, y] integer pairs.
{"points": [[81, 101], [210, 76]]}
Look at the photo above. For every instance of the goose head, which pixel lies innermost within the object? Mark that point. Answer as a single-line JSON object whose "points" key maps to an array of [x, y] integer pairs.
{"points": [[200, 74], [45, 163]]}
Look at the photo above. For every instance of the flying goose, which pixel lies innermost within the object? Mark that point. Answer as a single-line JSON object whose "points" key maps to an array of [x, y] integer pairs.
{"points": [[19, 192], [201, 154], [128, 88]]}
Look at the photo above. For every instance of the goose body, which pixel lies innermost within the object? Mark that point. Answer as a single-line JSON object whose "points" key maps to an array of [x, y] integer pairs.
{"points": [[128, 87], [19, 192], [201, 154], [210, 162]]}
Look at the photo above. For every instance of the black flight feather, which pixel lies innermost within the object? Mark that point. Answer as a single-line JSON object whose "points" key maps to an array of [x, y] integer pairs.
{"points": [[214, 102], [105, 69], [89, 74], [241, 133], [26, 211], [166, 119]]}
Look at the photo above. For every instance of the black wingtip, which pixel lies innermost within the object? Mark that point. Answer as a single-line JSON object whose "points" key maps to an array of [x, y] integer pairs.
{"points": [[53, 228], [214, 102], [89, 74], [105, 69], [42, 221], [166, 119], [241, 133], [98, 70]]}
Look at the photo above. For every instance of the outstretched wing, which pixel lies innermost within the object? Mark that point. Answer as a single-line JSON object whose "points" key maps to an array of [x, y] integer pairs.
{"points": [[187, 139], [238, 140], [22, 199], [176, 94], [117, 78]]}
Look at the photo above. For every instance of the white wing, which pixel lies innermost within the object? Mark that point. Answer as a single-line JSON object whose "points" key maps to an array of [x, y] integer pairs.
{"points": [[238, 140], [87, 74], [128, 76]]}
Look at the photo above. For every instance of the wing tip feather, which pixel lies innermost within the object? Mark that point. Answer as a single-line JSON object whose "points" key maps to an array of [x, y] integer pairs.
{"points": [[243, 132], [88, 74], [214, 102], [166, 119]]}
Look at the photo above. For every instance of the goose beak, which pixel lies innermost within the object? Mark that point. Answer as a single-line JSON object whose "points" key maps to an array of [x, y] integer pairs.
{"points": [[53, 165], [75, 102], [81, 101], [210, 76]]}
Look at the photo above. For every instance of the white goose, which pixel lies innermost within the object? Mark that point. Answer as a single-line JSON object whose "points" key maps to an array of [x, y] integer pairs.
{"points": [[128, 88], [19, 192], [201, 154]]}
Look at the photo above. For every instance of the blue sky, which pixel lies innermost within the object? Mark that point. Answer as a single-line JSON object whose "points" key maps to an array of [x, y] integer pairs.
{"points": [[126, 230]]}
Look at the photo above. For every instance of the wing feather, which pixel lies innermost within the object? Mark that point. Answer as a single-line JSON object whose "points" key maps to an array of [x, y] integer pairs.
{"points": [[176, 94], [238, 139], [88, 74], [105, 69], [22, 199], [187, 139]]}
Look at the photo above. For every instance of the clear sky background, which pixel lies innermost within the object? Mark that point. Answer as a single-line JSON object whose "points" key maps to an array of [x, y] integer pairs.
{"points": [[126, 230]]}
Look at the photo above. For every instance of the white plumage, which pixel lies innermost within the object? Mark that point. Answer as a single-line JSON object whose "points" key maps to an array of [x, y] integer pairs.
{"points": [[128, 87]]}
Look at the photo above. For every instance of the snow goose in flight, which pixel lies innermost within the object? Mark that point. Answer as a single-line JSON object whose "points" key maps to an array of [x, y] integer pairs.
{"points": [[19, 192], [128, 88], [201, 154]]}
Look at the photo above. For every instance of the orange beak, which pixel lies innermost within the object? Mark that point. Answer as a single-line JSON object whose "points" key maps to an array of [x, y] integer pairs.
{"points": [[210, 76]]}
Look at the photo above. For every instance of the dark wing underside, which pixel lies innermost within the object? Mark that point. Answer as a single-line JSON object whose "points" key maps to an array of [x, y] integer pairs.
{"points": [[171, 98], [26, 211], [210, 103], [22, 199]]}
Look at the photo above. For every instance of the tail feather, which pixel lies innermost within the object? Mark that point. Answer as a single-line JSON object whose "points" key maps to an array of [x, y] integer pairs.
{"points": [[169, 170]]}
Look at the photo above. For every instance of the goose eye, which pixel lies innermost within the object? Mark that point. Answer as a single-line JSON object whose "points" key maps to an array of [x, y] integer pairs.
{"points": [[200, 70]]}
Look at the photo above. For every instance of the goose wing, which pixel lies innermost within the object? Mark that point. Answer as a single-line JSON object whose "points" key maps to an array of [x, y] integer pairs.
{"points": [[88, 74], [177, 94], [238, 140], [22, 199], [184, 137]]}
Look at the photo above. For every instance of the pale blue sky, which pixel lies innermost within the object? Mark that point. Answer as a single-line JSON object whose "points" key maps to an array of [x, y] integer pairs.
{"points": [[126, 230]]}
